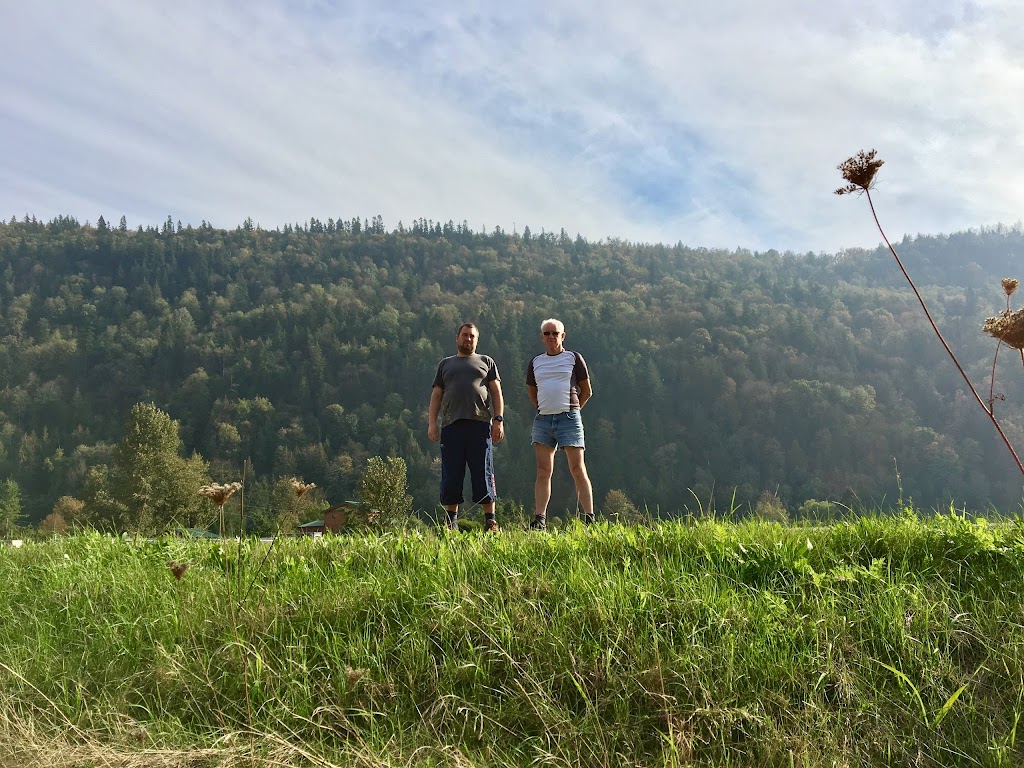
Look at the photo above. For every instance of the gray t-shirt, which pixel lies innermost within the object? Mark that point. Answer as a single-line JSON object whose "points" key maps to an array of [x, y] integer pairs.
{"points": [[464, 381]]}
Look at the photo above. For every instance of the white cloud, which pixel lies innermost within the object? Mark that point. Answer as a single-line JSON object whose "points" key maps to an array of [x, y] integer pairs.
{"points": [[717, 124]]}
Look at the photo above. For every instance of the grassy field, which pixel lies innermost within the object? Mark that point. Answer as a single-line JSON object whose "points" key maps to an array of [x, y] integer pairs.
{"points": [[880, 641]]}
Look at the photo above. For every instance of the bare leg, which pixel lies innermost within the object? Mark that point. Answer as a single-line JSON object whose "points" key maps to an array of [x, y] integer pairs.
{"points": [[542, 486], [578, 469]]}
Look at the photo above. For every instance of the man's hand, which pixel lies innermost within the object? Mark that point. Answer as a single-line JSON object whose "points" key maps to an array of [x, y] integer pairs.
{"points": [[433, 433], [497, 432]]}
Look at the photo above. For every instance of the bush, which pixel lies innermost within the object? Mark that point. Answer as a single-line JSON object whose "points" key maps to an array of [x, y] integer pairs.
{"points": [[384, 488], [770, 508], [618, 507]]}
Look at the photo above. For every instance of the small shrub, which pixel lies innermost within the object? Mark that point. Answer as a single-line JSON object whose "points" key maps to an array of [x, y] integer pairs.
{"points": [[384, 488], [770, 508], [618, 507]]}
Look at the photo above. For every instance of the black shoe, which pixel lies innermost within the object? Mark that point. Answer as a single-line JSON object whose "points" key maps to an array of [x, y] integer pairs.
{"points": [[539, 524], [588, 519]]}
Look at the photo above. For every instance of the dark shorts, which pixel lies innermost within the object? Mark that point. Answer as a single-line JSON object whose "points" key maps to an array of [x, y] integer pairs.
{"points": [[559, 430], [467, 443]]}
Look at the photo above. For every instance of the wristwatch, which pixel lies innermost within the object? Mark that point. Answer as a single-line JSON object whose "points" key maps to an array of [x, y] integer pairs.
{"points": [[499, 419]]}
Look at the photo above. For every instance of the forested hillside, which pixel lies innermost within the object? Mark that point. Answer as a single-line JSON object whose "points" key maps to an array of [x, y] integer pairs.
{"points": [[718, 375]]}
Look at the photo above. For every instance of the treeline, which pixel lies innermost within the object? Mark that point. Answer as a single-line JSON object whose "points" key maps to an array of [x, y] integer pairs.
{"points": [[721, 377]]}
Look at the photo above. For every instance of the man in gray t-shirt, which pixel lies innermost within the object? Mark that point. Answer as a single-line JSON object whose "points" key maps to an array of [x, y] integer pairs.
{"points": [[466, 415]]}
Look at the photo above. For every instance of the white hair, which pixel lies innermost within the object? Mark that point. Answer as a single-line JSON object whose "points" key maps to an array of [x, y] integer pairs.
{"points": [[555, 322]]}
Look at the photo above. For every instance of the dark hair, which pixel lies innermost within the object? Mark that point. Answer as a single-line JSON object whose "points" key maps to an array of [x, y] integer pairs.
{"points": [[466, 325]]}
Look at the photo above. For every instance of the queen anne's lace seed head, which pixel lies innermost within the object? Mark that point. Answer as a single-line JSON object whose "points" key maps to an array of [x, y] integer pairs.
{"points": [[300, 487], [1008, 327], [218, 493], [178, 569], [859, 171]]}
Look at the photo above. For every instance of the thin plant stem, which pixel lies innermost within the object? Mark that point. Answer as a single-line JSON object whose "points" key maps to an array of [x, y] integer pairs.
{"points": [[248, 589], [992, 380], [917, 293], [238, 591], [231, 596], [241, 528], [197, 649], [242, 651]]}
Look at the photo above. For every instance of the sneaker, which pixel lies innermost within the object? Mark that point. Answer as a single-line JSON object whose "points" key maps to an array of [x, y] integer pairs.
{"points": [[539, 524], [491, 525]]}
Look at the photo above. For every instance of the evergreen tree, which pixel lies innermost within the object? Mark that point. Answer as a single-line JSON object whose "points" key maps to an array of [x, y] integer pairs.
{"points": [[10, 508]]}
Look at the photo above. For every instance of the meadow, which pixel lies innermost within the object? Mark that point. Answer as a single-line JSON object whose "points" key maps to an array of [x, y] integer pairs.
{"points": [[881, 640]]}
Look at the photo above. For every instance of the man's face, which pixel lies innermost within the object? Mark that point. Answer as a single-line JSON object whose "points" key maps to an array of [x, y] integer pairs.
{"points": [[552, 337], [466, 340]]}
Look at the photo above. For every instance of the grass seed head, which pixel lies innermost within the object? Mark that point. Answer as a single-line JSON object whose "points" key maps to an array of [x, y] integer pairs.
{"points": [[1009, 285], [859, 171], [1008, 327]]}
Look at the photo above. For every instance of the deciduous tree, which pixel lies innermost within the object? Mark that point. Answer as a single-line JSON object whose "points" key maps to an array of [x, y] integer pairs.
{"points": [[149, 484]]}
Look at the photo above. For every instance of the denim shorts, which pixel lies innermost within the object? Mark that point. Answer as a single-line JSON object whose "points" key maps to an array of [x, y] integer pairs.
{"points": [[559, 430]]}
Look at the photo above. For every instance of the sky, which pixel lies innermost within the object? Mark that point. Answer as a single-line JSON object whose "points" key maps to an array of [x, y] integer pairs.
{"points": [[712, 123]]}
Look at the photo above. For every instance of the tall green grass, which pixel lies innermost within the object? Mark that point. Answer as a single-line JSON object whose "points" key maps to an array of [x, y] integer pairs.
{"points": [[879, 641]]}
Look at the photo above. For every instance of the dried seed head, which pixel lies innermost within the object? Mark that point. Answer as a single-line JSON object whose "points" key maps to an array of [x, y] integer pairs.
{"points": [[178, 569], [219, 494], [300, 487], [1008, 327], [859, 171], [1009, 285]]}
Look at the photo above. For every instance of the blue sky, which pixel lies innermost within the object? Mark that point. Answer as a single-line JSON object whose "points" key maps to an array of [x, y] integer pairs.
{"points": [[718, 124]]}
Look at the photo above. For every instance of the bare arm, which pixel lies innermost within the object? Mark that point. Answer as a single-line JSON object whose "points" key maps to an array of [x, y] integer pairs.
{"points": [[533, 394], [432, 412], [497, 409], [585, 392]]}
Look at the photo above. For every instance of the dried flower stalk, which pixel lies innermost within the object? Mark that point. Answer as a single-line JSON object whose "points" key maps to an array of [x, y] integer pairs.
{"points": [[859, 172], [1007, 328]]}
